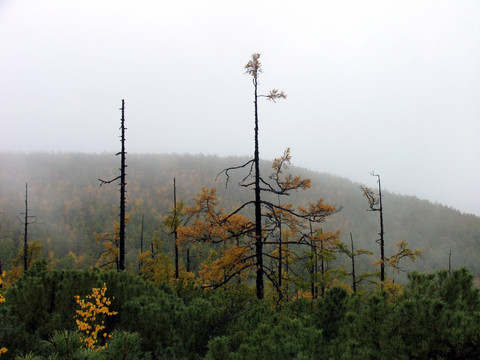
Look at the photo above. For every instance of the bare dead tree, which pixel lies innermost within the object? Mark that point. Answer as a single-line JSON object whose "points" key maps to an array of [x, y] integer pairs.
{"points": [[175, 227], [27, 220], [375, 203], [352, 253], [122, 178], [171, 224], [403, 251], [141, 241], [354, 281]]}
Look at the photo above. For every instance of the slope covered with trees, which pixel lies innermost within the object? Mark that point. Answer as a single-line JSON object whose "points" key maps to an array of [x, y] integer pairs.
{"points": [[61, 308], [71, 208]]}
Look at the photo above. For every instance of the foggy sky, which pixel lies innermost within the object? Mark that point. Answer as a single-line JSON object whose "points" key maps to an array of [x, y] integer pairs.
{"points": [[388, 86]]}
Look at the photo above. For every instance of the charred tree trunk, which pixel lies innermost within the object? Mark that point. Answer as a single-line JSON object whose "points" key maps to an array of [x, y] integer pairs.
{"points": [[25, 233], [253, 68], [258, 206], [123, 184], [26, 222], [175, 226], [313, 262], [280, 256], [122, 193], [376, 205], [382, 243], [141, 241], [354, 281], [322, 265]]}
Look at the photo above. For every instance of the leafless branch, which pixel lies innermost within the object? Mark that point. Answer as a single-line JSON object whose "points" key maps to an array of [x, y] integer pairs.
{"points": [[103, 182], [225, 171]]}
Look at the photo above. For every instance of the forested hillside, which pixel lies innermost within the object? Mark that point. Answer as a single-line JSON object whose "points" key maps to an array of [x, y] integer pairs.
{"points": [[72, 303], [64, 194]]}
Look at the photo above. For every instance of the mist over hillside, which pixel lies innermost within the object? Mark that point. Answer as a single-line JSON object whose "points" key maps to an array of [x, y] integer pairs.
{"points": [[64, 193]]}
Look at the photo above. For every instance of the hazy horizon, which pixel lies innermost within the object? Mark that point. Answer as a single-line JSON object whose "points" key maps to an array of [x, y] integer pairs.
{"points": [[390, 87], [372, 185]]}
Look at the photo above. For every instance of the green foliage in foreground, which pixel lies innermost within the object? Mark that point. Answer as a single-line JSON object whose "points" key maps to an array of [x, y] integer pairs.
{"points": [[436, 317]]}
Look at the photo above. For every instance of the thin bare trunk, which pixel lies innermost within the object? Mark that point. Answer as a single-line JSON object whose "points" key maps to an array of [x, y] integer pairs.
{"points": [[354, 281], [175, 234], [258, 207], [123, 184]]}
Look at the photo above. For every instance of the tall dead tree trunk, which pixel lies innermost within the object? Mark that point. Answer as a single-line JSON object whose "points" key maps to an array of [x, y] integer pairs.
{"points": [[382, 242], [26, 222], [123, 184], [354, 281], [141, 242], [122, 192], [25, 232], [322, 264], [352, 253], [258, 204], [280, 255], [313, 263], [175, 227], [375, 203]]}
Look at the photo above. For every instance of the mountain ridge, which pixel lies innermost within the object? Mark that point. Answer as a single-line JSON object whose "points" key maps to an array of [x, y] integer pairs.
{"points": [[64, 193]]}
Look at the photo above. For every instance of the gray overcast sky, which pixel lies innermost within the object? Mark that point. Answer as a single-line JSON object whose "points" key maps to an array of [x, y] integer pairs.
{"points": [[389, 86]]}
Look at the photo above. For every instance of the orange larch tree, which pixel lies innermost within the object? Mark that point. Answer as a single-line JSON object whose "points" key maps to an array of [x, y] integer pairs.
{"points": [[231, 252], [277, 183], [236, 255], [243, 243]]}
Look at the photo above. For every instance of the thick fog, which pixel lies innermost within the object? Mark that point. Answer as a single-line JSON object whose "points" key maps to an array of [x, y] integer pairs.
{"points": [[389, 86]]}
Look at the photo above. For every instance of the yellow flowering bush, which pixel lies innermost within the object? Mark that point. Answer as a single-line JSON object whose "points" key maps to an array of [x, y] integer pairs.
{"points": [[90, 318], [3, 350]]}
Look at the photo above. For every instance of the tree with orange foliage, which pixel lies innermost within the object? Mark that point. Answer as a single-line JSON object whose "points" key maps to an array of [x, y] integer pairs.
{"points": [[237, 254], [277, 185], [207, 223]]}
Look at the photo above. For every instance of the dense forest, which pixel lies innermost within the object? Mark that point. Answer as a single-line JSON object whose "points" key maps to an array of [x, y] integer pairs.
{"points": [[64, 194], [71, 303]]}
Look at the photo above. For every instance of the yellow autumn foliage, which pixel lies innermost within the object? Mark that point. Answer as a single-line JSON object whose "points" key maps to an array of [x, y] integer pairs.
{"points": [[394, 289], [230, 262], [90, 318]]}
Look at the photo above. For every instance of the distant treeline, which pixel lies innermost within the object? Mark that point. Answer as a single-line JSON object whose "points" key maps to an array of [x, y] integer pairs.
{"points": [[71, 207]]}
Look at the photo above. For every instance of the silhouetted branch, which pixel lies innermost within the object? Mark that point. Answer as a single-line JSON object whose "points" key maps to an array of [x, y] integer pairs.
{"points": [[103, 182], [225, 171]]}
